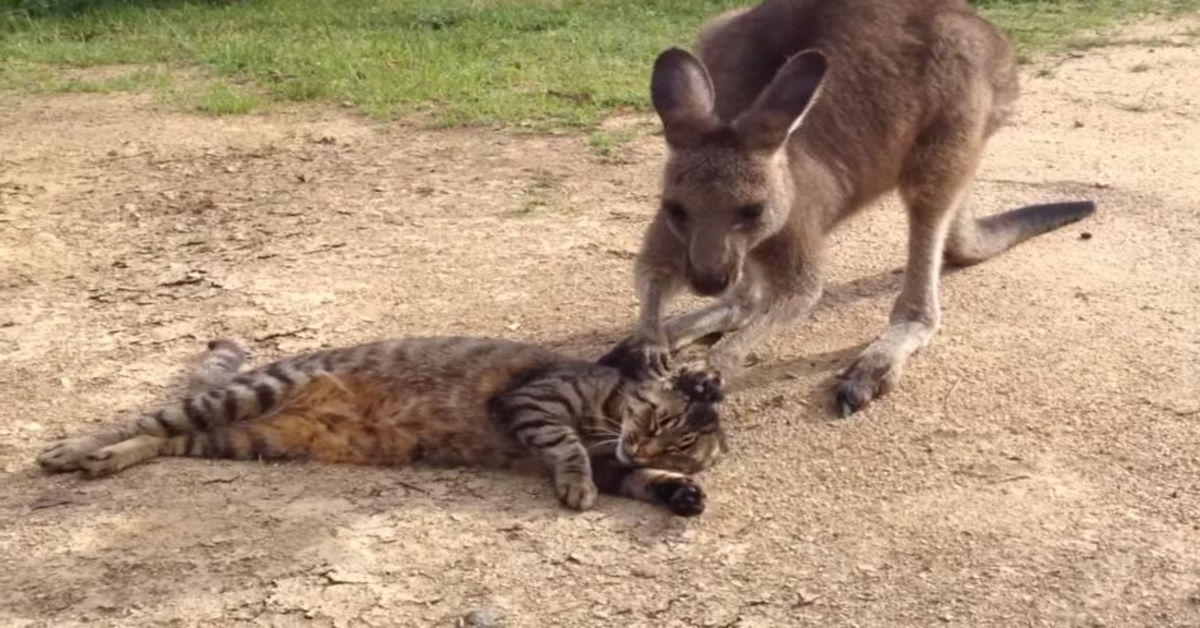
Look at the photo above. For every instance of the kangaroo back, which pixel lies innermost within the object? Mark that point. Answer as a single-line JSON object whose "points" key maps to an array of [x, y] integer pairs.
{"points": [[796, 115]]}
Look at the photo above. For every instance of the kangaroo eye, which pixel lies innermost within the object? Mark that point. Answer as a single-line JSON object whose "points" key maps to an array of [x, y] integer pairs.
{"points": [[750, 214], [675, 212]]}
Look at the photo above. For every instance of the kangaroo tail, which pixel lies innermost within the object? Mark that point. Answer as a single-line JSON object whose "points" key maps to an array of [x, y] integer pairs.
{"points": [[973, 240]]}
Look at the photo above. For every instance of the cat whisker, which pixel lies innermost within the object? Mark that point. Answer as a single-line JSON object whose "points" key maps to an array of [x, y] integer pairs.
{"points": [[600, 431], [608, 447]]}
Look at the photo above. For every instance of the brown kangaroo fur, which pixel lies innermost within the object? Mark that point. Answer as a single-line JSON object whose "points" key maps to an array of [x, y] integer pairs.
{"points": [[797, 114]]}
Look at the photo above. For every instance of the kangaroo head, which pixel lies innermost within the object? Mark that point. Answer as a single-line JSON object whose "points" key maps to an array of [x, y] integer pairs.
{"points": [[727, 184]]}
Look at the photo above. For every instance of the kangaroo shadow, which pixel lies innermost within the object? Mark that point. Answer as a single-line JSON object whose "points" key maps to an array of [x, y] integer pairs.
{"points": [[592, 343], [868, 287], [596, 341]]}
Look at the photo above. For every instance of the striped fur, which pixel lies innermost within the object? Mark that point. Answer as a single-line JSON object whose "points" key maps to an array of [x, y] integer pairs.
{"points": [[445, 401], [217, 367]]}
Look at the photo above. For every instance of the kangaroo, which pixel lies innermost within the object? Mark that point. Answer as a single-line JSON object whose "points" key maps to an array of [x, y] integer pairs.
{"points": [[796, 115]]}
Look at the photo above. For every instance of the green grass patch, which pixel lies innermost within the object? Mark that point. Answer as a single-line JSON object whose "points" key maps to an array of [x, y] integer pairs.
{"points": [[104, 79], [224, 99], [1039, 25], [609, 144], [525, 63], [1090, 43], [539, 193]]}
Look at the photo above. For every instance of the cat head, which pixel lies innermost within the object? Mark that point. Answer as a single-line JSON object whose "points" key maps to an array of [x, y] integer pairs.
{"points": [[672, 424]]}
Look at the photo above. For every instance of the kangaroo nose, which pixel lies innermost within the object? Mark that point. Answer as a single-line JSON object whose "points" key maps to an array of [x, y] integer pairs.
{"points": [[710, 283]]}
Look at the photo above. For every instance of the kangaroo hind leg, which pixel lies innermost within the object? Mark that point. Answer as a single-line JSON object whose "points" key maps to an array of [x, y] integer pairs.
{"points": [[935, 182]]}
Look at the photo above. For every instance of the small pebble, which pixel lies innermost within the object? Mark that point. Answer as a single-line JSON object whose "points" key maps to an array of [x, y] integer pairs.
{"points": [[484, 618], [1086, 235]]}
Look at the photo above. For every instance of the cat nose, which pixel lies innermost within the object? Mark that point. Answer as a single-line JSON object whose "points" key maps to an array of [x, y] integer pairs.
{"points": [[649, 450]]}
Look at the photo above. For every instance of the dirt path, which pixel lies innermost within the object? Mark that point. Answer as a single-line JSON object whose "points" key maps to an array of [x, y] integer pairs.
{"points": [[1040, 465]]}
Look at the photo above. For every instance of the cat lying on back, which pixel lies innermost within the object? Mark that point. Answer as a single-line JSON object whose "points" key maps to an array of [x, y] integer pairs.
{"points": [[447, 401]]}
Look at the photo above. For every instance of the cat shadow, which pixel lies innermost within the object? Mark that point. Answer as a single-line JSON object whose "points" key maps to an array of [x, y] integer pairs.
{"points": [[81, 546]]}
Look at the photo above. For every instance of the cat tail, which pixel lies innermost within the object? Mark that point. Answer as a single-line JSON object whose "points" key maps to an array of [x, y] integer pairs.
{"points": [[321, 422], [244, 397], [280, 411], [217, 367]]}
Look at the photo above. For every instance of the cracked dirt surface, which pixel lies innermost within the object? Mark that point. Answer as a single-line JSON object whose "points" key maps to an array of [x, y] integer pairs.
{"points": [[1038, 466]]}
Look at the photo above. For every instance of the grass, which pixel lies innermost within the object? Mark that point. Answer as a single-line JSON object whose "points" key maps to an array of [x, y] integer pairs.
{"points": [[1083, 44], [1038, 25], [609, 145], [538, 192], [524, 63], [223, 99]]}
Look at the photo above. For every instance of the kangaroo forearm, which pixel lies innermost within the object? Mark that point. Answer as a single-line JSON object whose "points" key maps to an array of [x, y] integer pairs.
{"points": [[655, 290], [729, 354], [687, 328]]}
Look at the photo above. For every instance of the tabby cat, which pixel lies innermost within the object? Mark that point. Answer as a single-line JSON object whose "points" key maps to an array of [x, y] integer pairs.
{"points": [[446, 401]]}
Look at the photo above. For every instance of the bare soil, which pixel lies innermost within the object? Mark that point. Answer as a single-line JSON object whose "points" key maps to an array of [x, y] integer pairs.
{"points": [[1039, 465]]}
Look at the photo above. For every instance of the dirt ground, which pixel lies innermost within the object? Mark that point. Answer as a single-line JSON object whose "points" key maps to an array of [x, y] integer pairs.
{"points": [[1039, 465]]}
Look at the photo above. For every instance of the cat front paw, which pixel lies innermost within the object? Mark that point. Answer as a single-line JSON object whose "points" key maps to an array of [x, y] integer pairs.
{"points": [[68, 454], [682, 495], [102, 462], [578, 493]]}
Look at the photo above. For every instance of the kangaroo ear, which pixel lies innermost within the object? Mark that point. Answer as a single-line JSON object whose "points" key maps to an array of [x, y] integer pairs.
{"points": [[682, 94], [780, 108]]}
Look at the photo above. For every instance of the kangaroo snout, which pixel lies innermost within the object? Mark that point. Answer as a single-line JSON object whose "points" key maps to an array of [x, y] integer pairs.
{"points": [[711, 262], [710, 282]]}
